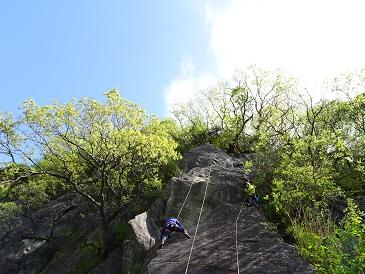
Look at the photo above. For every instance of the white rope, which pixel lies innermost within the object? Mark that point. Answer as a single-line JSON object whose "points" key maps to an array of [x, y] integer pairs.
{"points": [[237, 249], [187, 195], [197, 225]]}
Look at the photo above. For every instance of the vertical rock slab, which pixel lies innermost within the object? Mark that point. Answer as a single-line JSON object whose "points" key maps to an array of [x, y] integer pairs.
{"points": [[260, 247]]}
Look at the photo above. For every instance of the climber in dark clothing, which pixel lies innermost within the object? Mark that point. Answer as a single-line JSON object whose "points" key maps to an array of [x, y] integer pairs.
{"points": [[171, 225]]}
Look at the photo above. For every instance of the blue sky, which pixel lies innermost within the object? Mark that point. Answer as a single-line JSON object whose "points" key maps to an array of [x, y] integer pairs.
{"points": [[160, 52], [63, 49]]}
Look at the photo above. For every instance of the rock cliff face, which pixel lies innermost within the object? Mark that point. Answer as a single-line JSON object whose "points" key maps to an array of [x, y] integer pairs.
{"points": [[73, 248], [259, 246], [75, 244]]}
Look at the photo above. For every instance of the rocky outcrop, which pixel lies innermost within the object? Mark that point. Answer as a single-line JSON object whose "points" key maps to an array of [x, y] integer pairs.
{"points": [[260, 248], [75, 244], [62, 237], [338, 206]]}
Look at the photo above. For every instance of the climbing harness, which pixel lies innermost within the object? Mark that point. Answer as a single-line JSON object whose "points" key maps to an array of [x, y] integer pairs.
{"points": [[197, 225], [237, 249]]}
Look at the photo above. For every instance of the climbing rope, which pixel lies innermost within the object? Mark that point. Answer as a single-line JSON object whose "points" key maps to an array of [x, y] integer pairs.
{"points": [[187, 195], [237, 249], [197, 225]]}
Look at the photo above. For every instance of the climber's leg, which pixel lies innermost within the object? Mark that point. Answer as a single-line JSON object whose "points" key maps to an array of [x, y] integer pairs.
{"points": [[250, 201], [256, 200], [183, 231], [164, 237], [162, 242], [186, 234]]}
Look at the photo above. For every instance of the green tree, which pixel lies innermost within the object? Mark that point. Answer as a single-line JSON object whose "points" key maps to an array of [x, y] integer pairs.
{"points": [[231, 114], [111, 154]]}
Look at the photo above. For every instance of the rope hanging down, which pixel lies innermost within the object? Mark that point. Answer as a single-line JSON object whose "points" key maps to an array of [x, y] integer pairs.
{"points": [[197, 225], [187, 195], [237, 249]]}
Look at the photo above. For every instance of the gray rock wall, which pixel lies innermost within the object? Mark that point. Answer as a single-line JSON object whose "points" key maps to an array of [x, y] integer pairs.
{"points": [[76, 242], [260, 248]]}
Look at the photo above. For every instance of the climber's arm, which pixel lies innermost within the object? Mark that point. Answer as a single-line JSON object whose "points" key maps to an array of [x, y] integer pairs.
{"points": [[180, 226]]}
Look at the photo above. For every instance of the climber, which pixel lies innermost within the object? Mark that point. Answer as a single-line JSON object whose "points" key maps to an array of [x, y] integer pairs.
{"points": [[171, 225], [250, 194]]}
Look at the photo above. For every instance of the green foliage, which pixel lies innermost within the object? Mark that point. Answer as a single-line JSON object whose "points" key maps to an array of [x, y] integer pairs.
{"points": [[135, 268], [66, 232], [301, 183], [233, 114], [28, 193], [35, 193], [3, 191], [115, 156], [308, 172], [114, 144], [9, 138], [112, 154], [8, 212], [121, 231], [90, 258], [247, 167], [304, 155], [194, 136], [336, 250]]}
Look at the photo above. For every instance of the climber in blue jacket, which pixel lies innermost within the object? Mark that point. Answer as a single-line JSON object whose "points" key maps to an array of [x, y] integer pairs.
{"points": [[172, 225]]}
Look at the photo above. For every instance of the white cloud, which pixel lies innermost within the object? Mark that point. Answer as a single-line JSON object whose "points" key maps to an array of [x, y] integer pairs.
{"points": [[187, 84], [311, 39]]}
